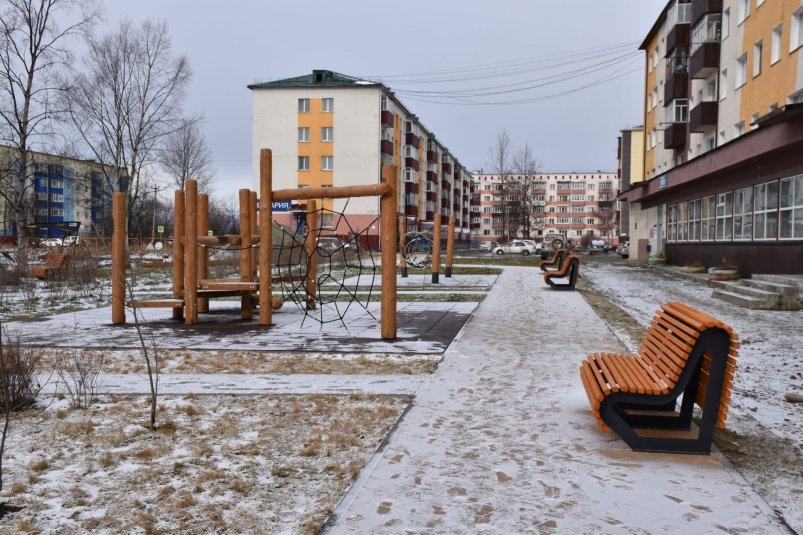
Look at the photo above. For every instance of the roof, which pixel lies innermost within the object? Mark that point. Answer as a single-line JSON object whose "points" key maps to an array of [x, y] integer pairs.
{"points": [[318, 78]]}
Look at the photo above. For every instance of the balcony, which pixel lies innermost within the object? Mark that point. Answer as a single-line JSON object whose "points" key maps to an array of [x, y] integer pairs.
{"points": [[474, 225], [445, 184], [705, 60], [411, 210], [675, 136], [703, 116], [456, 206], [447, 167], [432, 176], [432, 196], [677, 80], [456, 192], [386, 147], [679, 37], [387, 118], [432, 156], [411, 139], [411, 163], [429, 215], [699, 8], [411, 187], [475, 202]]}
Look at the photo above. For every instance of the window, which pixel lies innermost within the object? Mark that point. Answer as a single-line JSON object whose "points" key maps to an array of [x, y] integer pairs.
{"points": [[743, 10], [57, 212], [758, 49], [726, 23], [303, 134], [303, 105], [796, 31], [743, 214], [705, 31], [708, 208], [725, 216], [723, 84], [677, 111], [327, 133], [775, 51], [741, 71], [792, 207], [303, 163], [739, 128], [327, 220], [327, 163], [328, 105], [766, 210], [672, 223], [694, 220]]}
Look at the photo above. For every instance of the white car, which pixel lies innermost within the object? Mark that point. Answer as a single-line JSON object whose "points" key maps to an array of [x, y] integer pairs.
{"points": [[486, 246], [515, 247]]}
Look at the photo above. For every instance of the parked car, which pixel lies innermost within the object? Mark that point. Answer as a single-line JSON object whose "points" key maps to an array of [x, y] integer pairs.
{"points": [[536, 246], [515, 247], [623, 249], [598, 246], [552, 242], [331, 243], [486, 246]]}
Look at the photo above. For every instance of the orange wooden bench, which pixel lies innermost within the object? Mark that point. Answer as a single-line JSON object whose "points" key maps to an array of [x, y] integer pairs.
{"points": [[555, 262], [54, 264], [569, 269], [685, 352]]}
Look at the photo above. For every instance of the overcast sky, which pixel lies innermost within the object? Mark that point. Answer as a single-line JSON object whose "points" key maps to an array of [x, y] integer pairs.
{"points": [[468, 70]]}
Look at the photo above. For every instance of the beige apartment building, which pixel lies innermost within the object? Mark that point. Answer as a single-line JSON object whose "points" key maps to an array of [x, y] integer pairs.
{"points": [[574, 204], [723, 136], [327, 129]]}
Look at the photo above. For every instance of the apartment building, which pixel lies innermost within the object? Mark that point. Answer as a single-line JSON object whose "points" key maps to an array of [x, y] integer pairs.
{"points": [[723, 123], [63, 189], [574, 204], [327, 129], [630, 159]]}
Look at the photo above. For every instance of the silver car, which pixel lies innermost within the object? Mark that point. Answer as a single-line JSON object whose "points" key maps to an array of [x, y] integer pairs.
{"points": [[515, 247]]}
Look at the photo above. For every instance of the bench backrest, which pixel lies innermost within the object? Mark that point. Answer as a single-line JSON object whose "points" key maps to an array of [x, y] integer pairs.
{"points": [[564, 267], [669, 340]]}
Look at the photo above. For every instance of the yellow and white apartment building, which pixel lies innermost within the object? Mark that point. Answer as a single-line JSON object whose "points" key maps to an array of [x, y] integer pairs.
{"points": [[327, 129], [723, 136]]}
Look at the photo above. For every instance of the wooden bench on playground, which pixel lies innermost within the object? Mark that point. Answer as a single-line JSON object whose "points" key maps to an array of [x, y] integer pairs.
{"points": [[555, 262], [685, 352], [569, 269], [54, 264]]}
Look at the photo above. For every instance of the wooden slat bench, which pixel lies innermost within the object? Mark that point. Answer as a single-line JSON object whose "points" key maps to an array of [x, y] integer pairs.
{"points": [[555, 262], [55, 264], [686, 354], [569, 269]]}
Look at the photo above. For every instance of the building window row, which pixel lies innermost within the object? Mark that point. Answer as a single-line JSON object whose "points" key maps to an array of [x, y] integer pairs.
{"points": [[327, 163], [768, 211], [328, 105], [327, 134]]}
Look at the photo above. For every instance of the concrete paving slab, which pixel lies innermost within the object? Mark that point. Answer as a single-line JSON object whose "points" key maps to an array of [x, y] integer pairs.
{"points": [[501, 440]]}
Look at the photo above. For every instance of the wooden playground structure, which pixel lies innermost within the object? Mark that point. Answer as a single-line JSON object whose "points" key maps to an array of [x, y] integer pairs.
{"points": [[191, 286]]}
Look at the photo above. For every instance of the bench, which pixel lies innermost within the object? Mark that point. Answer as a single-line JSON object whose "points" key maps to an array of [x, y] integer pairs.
{"points": [[54, 265], [686, 355], [555, 262], [569, 269]]}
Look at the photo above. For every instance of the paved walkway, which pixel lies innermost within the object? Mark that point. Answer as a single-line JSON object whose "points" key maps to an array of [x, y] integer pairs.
{"points": [[500, 440]]}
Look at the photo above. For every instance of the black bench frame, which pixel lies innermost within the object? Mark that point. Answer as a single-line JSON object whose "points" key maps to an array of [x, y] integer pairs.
{"points": [[571, 274], [617, 409]]}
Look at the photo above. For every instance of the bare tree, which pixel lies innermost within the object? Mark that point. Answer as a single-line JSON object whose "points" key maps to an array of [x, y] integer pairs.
{"points": [[528, 166], [33, 48], [224, 215], [127, 101], [186, 155], [502, 165]]}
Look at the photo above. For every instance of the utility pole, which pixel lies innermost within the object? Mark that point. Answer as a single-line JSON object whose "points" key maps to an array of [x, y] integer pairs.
{"points": [[153, 232]]}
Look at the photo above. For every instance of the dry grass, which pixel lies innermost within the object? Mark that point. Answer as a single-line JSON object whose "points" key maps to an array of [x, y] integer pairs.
{"points": [[221, 464], [251, 362]]}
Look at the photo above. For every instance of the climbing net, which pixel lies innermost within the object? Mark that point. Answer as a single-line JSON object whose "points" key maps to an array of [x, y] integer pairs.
{"points": [[417, 249], [339, 273]]}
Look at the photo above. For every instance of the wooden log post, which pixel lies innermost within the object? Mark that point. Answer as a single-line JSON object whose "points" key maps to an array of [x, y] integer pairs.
{"points": [[388, 233], [246, 306], [203, 252], [311, 283], [403, 245], [265, 236], [118, 257], [450, 246], [436, 248], [190, 252], [178, 252], [254, 232]]}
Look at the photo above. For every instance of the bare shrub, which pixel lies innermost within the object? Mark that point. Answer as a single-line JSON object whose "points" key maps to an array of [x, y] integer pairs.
{"points": [[79, 373]]}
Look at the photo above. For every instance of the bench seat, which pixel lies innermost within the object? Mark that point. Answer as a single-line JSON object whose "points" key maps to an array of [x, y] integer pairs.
{"points": [[686, 354], [555, 262], [569, 269]]}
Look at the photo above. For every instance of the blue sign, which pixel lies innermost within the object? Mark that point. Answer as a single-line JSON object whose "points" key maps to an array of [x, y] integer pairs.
{"points": [[280, 206]]}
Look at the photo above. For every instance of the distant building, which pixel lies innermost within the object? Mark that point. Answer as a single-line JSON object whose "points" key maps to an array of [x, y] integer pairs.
{"points": [[64, 189], [328, 129], [723, 125], [574, 204], [631, 170]]}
